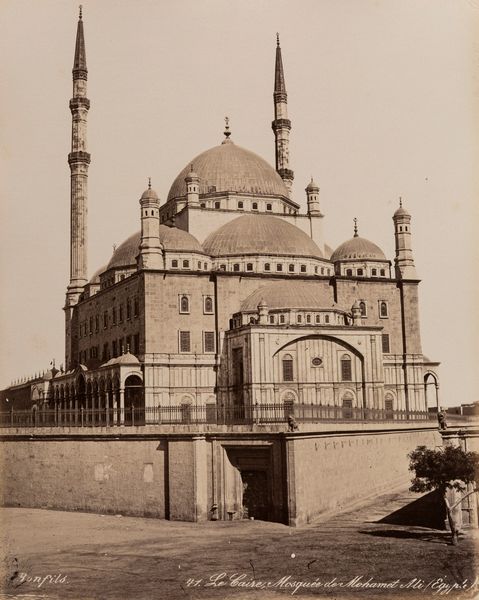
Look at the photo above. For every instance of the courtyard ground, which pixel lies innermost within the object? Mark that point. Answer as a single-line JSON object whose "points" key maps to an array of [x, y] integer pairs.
{"points": [[79, 556]]}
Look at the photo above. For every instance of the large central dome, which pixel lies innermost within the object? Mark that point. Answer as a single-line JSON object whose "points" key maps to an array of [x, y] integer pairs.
{"points": [[260, 234], [230, 168]]}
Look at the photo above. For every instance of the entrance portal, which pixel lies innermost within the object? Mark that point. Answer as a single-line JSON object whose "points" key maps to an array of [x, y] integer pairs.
{"points": [[255, 495]]}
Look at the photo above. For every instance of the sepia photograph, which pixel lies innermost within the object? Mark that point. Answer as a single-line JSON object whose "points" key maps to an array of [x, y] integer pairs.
{"points": [[240, 291]]}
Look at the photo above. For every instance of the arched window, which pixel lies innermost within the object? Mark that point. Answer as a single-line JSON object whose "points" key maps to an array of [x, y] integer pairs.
{"points": [[255, 206], [291, 267], [346, 371], [303, 269], [300, 319], [362, 308], [389, 405], [288, 403], [360, 272], [174, 264], [202, 205], [374, 272], [184, 304], [326, 318], [281, 318], [382, 272], [271, 318], [308, 318], [349, 272], [287, 363], [317, 319], [279, 267], [267, 267], [236, 267], [217, 204], [222, 267], [208, 306], [383, 309], [240, 204], [348, 405], [249, 266]]}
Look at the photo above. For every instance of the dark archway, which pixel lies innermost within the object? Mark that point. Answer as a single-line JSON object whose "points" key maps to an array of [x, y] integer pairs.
{"points": [[134, 401]]}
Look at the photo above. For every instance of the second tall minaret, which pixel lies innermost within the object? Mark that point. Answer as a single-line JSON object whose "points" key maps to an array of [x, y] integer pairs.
{"points": [[79, 160], [281, 124]]}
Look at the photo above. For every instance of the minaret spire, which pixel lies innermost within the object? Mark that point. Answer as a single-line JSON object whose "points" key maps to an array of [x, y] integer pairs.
{"points": [[281, 124], [78, 159]]}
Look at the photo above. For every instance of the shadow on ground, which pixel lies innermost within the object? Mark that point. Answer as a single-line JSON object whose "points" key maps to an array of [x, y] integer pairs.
{"points": [[427, 511], [433, 537]]}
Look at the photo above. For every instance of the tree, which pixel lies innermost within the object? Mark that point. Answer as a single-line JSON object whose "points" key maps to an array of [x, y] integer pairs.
{"points": [[444, 469]]}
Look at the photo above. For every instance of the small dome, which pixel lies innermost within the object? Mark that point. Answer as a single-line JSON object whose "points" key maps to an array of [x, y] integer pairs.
{"points": [[172, 238], [358, 248], [95, 279], [312, 186], [401, 212], [260, 234], [286, 294], [149, 194], [230, 168]]}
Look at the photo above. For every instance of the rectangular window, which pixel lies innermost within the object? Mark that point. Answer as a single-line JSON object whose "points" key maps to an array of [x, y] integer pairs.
{"points": [[136, 344], [105, 319], [208, 341], [288, 369], [185, 341], [113, 316], [346, 371], [120, 313], [128, 309], [385, 343], [136, 307]]}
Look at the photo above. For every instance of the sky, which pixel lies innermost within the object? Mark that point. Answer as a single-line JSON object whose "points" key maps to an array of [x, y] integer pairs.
{"points": [[383, 99]]}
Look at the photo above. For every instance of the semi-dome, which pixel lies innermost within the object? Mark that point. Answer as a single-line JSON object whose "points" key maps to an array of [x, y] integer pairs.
{"points": [[260, 234], [286, 294], [231, 168], [358, 248], [172, 238]]}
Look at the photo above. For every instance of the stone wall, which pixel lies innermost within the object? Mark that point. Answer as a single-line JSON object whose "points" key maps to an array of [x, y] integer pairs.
{"points": [[333, 471], [182, 476], [114, 476]]}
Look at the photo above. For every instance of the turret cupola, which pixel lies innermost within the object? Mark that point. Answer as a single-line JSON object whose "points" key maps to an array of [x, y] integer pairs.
{"points": [[192, 181], [312, 195], [150, 256]]}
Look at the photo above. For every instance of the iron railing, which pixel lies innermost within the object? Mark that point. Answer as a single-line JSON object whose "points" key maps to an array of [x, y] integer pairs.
{"points": [[199, 415]]}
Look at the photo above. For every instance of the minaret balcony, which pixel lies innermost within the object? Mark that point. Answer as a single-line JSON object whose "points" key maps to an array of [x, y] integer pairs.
{"points": [[281, 124], [79, 157], [76, 103]]}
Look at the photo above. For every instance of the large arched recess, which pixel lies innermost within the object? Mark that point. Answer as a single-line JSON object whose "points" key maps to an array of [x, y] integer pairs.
{"points": [[330, 338]]}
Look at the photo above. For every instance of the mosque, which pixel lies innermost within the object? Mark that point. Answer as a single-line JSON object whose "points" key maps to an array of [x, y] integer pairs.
{"points": [[227, 307], [228, 296]]}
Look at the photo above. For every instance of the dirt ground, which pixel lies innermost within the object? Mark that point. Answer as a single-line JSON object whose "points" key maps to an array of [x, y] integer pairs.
{"points": [[79, 556]]}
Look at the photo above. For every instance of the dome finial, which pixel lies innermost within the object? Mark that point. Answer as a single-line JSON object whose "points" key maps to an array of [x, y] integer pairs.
{"points": [[355, 227], [149, 183], [227, 131], [277, 38], [400, 201], [80, 15]]}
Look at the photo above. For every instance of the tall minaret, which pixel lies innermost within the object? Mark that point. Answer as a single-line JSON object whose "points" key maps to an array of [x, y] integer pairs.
{"points": [[281, 124], [404, 260], [78, 159]]}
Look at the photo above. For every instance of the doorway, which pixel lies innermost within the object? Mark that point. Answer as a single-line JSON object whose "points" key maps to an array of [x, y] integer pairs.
{"points": [[255, 494]]}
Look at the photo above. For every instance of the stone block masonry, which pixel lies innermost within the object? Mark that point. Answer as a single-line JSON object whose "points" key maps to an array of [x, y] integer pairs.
{"points": [[192, 476]]}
